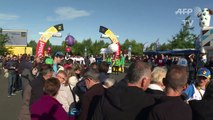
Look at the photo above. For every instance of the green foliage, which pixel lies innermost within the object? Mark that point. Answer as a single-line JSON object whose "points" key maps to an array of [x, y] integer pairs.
{"points": [[56, 48], [137, 48], [47, 45], [32, 44], [184, 39], [93, 48], [3, 41]]}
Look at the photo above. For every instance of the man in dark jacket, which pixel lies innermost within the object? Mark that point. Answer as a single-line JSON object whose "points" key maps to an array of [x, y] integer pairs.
{"points": [[171, 106], [12, 65], [127, 101], [24, 64], [92, 96], [33, 91]]}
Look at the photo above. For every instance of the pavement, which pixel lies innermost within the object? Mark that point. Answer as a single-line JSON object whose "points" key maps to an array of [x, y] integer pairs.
{"points": [[10, 106]]}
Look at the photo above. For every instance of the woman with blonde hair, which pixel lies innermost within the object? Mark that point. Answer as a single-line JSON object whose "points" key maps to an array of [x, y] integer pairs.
{"points": [[156, 87]]}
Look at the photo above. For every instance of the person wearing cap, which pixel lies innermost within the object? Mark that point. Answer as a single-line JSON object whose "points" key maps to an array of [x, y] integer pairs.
{"points": [[57, 58], [93, 94], [195, 91], [182, 62]]}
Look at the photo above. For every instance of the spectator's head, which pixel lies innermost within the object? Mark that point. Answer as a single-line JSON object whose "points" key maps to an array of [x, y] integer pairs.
{"points": [[94, 66], [62, 76], [51, 86], [158, 74], [103, 67], [58, 57], [24, 57], [69, 61], [203, 77], [182, 62], [14, 57], [38, 60], [139, 74], [109, 82], [208, 95], [46, 71], [176, 79], [91, 78]]}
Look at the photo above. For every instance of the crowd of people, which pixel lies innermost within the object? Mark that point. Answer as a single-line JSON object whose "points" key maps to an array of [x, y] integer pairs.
{"points": [[159, 87]]}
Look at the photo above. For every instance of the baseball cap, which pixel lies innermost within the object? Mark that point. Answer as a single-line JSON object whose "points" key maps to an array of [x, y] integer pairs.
{"points": [[182, 62], [204, 72], [59, 54], [49, 61]]}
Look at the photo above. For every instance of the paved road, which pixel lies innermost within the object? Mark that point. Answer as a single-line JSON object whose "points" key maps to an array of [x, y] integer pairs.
{"points": [[10, 107]]}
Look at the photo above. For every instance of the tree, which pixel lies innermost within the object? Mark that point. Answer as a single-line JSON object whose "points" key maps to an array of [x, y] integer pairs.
{"points": [[184, 39], [137, 48], [3, 40], [32, 44]]}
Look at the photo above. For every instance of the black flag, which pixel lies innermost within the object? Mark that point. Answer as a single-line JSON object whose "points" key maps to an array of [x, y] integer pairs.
{"points": [[103, 29], [59, 27]]}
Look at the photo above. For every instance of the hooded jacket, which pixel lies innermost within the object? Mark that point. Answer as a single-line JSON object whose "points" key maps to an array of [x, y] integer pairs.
{"points": [[122, 102]]}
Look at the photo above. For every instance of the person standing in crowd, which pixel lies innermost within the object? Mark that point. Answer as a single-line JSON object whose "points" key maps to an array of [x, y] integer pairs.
{"points": [[57, 59], [64, 95], [47, 107], [156, 87], [160, 60], [202, 109], [171, 106], [92, 59], [122, 62], [210, 65], [103, 69], [196, 90], [192, 68], [116, 64], [12, 66], [68, 64], [38, 83], [109, 60], [27, 76], [34, 91], [24, 66], [127, 101], [73, 74], [92, 95]]}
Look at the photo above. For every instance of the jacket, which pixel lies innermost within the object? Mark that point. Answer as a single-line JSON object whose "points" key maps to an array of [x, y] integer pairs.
{"points": [[122, 102], [89, 101], [171, 108], [47, 108], [37, 88]]}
